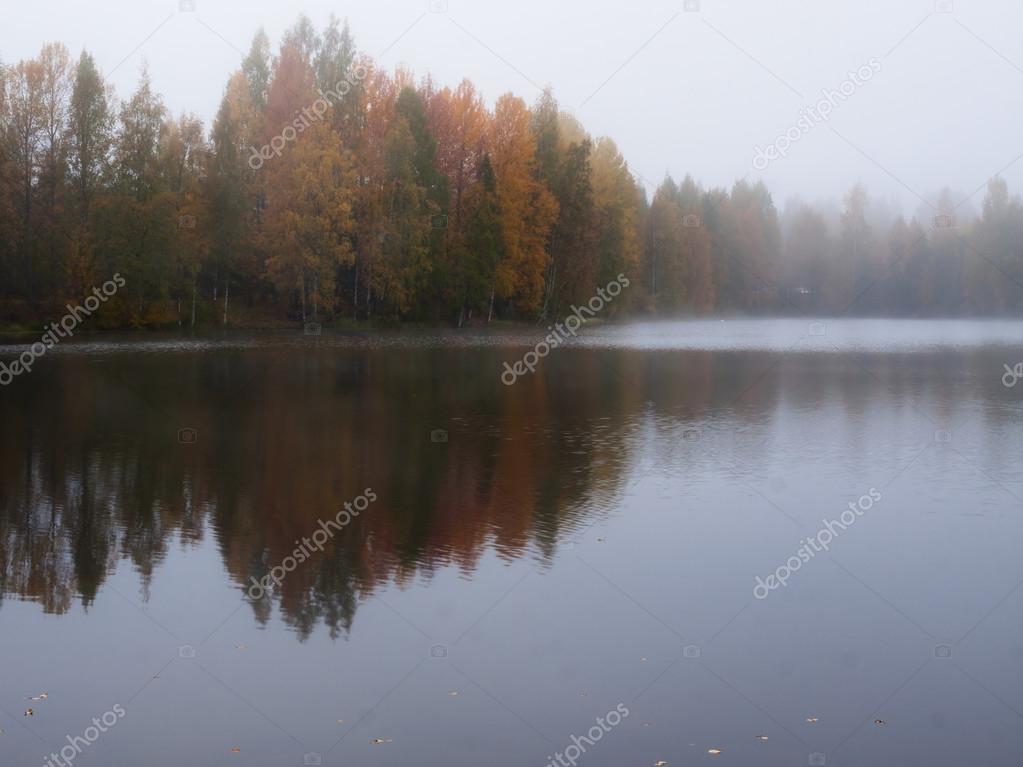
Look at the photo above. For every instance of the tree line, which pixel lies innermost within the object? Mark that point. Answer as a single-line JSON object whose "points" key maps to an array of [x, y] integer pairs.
{"points": [[327, 188]]}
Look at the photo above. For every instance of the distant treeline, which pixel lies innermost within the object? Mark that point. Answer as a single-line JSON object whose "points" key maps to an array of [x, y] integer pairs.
{"points": [[328, 188]]}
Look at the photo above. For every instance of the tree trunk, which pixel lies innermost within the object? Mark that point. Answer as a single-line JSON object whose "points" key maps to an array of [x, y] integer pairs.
{"points": [[193, 302], [227, 295], [355, 301], [490, 314], [550, 288]]}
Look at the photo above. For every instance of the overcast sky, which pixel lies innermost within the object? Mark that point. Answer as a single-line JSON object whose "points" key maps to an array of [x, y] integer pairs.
{"points": [[680, 90]]}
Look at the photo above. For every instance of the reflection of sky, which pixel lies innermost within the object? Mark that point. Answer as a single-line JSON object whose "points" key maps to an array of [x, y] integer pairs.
{"points": [[730, 461]]}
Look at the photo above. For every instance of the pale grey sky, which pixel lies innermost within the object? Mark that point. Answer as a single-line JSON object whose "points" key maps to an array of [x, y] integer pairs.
{"points": [[678, 90]]}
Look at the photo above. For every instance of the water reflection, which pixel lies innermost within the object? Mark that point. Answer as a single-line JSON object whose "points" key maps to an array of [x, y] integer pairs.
{"points": [[98, 468]]}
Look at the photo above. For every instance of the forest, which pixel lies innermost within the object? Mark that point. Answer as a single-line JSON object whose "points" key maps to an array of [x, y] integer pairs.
{"points": [[330, 190]]}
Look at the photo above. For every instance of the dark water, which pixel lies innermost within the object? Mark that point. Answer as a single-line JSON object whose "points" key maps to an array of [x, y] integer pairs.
{"points": [[586, 538]]}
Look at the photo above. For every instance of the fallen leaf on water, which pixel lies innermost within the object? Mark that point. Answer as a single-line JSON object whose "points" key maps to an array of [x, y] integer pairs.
{"points": [[381, 740], [880, 722], [812, 719], [661, 763], [761, 737], [29, 712], [240, 647], [453, 693], [40, 696], [340, 721], [600, 540], [236, 750], [714, 751], [643, 659]]}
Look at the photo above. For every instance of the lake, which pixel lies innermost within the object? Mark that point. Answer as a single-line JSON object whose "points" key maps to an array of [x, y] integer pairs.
{"points": [[772, 542]]}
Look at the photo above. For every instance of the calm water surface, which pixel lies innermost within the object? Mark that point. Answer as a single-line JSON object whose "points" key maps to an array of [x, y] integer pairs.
{"points": [[536, 555]]}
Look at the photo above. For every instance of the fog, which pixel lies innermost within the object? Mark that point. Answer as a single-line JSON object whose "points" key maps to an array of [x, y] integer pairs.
{"points": [[680, 91]]}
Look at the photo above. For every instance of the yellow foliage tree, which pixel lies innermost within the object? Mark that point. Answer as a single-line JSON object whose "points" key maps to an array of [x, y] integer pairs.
{"points": [[528, 209], [308, 222]]}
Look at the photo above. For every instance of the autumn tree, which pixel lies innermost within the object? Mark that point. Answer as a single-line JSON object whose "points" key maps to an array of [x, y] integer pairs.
{"points": [[616, 201], [90, 139], [483, 247], [528, 209], [309, 218]]}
